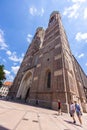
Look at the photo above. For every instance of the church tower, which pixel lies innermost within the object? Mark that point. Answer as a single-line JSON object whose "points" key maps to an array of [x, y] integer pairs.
{"points": [[47, 72]]}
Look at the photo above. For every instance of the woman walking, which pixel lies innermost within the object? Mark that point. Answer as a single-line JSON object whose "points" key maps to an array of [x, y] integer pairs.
{"points": [[59, 108], [72, 111]]}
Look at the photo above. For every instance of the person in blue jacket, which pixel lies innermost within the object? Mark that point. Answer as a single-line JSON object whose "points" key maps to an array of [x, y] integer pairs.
{"points": [[78, 112]]}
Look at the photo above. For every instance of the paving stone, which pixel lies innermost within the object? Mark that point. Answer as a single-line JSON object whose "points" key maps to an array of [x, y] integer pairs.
{"points": [[15, 116]]}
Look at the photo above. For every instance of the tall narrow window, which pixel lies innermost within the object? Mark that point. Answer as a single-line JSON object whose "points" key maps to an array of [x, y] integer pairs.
{"points": [[36, 60], [48, 79]]}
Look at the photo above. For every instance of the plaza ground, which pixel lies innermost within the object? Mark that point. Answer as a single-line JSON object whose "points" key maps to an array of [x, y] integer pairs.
{"points": [[16, 116]]}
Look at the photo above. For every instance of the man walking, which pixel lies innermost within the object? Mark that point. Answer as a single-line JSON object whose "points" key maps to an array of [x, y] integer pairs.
{"points": [[78, 112]]}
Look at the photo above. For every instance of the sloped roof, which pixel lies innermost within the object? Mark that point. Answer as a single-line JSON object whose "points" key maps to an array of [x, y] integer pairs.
{"points": [[7, 83]]}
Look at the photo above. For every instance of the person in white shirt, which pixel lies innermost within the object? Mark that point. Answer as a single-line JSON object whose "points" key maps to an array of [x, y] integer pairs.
{"points": [[72, 111]]}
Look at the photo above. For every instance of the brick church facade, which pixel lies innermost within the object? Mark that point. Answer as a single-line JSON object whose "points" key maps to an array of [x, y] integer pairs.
{"points": [[49, 71]]}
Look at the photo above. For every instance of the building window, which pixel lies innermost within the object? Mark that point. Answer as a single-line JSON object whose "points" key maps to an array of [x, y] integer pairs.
{"points": [[52, 20], [48, 79], [36, 60]]}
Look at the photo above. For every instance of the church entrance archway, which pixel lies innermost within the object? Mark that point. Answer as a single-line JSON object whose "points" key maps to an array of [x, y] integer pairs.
{"points": [[25, 86]]}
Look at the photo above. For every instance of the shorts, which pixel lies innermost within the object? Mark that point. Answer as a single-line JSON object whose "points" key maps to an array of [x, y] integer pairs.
{"points": [[79, 113], [72, 113]]}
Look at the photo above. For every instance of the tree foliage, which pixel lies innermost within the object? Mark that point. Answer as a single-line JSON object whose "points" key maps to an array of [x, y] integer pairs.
{"points": [[2, 75]]}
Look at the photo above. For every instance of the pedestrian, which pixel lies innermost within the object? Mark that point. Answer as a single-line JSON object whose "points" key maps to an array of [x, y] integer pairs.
{"points": [[78, 112], [72, 111], [59, 107]]}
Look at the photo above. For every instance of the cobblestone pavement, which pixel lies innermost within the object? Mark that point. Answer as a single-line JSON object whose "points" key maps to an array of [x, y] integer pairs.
{"points": [[15, 116]]}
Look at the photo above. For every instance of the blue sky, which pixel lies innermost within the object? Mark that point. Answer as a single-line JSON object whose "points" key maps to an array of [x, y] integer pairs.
{"points": [[19, 20]]}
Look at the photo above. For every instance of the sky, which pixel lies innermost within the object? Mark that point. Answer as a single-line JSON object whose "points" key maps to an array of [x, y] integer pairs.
{"points": [[19, 20]]}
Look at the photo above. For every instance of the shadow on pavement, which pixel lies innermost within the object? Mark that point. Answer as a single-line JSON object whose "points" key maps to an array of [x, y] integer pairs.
{"points": [[71, 123], [55, 114], [24, 103], [3, 128]]}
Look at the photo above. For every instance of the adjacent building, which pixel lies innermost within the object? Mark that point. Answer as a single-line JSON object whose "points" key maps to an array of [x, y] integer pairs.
{"points": [[4, 90], [49, 71]]}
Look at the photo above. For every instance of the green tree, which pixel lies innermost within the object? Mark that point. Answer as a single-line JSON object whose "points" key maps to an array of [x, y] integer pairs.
{"points": [[2, 75]]}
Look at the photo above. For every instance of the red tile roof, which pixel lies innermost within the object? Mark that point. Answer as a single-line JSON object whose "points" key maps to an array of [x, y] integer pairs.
{"points": [[7, 83]]}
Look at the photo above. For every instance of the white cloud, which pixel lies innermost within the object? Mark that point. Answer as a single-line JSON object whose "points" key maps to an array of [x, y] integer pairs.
{"points": [[15, 64], [42, 12], [7, 72], [29, 38], [81, 55], [13, 56], [72, 11], [8, 52], [54, 1], [81, 1], [86, 64], [22, 54], [81, 36], [3, 45], [77, 1], [85, 13], [15, 69], [33, 11], [9, 77]]}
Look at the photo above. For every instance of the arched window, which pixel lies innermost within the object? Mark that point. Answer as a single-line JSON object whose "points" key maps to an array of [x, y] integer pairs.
{"points": [[48, 79], [52, 20]]}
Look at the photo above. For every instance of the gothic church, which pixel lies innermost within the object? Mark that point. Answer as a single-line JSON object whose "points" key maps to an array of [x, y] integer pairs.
{"points": [[49, 71]]}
